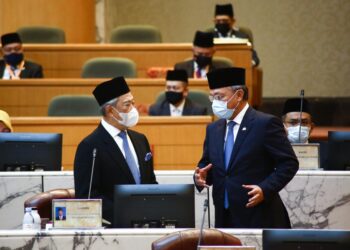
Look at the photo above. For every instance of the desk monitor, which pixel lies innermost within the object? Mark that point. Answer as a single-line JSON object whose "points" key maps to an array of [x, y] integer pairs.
{"points": [[338, 150], [154, 206], [307, 239], [30, 152]]}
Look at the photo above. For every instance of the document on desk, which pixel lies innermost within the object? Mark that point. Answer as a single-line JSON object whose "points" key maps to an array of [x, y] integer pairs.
{"points": [[231, 40], [77, 213]]}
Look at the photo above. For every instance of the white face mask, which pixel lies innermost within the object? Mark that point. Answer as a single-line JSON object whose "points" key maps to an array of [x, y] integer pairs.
{"points": [[293, 134], [129, 119], [220, 108]]}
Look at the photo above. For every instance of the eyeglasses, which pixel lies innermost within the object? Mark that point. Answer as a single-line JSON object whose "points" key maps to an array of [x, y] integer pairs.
{"points": [[304, 122], [15, 49]]}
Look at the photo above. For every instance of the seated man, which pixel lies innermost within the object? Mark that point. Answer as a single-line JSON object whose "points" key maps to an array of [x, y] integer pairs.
{"points": [[176, 102], [5, 122], [13, 66], [203, 52], [224, 21], [291, 120]]}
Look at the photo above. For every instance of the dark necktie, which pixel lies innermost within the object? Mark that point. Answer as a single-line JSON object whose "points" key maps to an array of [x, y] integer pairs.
{"points": [[198, 73], [130, 158], [228, 152]]}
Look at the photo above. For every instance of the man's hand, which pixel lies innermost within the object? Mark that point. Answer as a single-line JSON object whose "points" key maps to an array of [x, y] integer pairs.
{"points": [[256, 193], [200, 175]]}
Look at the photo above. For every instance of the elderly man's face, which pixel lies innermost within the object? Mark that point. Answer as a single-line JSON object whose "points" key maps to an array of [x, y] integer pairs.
{"points": [[3, 128], [12, 48], [292, 119]]}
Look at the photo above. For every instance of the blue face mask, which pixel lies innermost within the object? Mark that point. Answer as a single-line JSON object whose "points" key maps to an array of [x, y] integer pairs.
{"points": [[220, 108], [14, 59]]}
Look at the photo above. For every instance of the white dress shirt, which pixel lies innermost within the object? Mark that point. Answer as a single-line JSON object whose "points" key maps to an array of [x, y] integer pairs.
{"points": [[203, 71], [238, 120], [113, 131], [177, 111]]}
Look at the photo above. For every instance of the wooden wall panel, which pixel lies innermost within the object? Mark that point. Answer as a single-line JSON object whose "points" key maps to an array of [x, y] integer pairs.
{"points": [[176, 142], [76, 18]]}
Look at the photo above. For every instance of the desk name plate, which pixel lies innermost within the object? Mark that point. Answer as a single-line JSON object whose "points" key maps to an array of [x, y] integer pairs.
{"points": [[77, 213], [308, 155]]}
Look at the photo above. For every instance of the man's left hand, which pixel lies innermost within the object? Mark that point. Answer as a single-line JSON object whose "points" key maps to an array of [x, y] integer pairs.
{"points": [[256, 195]]}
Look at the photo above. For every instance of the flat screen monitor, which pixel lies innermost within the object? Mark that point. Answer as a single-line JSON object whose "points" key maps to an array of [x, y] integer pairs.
{"points": [[30, 151], [338, 150], [307, 239], [154, 206]]}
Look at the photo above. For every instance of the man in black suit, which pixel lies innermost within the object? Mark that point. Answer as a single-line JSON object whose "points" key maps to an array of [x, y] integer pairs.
{"points": [[122, 156], [13, 66], [224, 21], [176, 102], [203, 52], [247, 158]]}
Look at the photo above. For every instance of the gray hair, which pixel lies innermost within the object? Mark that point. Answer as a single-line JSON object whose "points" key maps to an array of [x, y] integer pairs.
{"points": [[244, 88], [109, 103]]}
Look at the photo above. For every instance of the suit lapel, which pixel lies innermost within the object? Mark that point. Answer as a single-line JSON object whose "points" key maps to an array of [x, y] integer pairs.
{"points": [[187, 107], [114, 151], [244, 129], [2, 68]]}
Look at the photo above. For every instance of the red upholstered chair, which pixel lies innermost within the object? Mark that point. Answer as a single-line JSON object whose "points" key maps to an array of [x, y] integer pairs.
{"points": [[188, 239], [43, 201]]}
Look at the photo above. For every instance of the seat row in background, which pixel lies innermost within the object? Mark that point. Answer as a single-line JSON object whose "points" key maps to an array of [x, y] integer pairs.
{"points": [[121, 34], [140, 33], [86, 105]]}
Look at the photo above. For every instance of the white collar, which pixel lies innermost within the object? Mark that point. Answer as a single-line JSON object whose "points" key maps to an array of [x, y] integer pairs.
{"points": [[113, 131], [238, 119]]}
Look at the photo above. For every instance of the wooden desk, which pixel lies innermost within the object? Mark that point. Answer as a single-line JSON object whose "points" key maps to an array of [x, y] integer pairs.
{"points": [[31, 97], [66, 60], [177, 143]]}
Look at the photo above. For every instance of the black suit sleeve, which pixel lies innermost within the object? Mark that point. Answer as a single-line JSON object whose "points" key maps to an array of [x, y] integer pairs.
{"points": [[285, 162], [39, 72]]}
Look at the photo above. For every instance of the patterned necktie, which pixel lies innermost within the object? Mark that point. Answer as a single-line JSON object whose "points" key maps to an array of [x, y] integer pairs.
{"points": [[130, 158], [228, 152], [198, 73]]}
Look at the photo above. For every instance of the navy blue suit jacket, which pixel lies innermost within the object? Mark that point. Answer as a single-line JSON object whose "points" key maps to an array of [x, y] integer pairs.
{"points": [[190, 108], [263, 156]]}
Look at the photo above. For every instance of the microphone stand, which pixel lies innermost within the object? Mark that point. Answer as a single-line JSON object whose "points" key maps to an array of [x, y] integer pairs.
{"points": [[301, 110], [94, 152], [206, 204]]}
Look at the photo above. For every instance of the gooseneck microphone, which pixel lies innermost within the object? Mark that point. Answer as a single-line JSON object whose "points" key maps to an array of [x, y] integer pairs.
{"points": [[94, 153], [301, 111], [206, 204]]}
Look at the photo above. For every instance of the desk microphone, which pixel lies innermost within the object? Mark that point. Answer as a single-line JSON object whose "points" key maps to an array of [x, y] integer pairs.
{"points": [[301, 111], [206, 204], [94, 153]]}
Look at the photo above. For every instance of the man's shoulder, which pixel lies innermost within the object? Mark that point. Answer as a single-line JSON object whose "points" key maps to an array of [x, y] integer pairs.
{"points": [[31, 65], [156, 108], [186, 63]]}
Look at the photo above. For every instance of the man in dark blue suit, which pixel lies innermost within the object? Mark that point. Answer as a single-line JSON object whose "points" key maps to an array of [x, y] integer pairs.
{"points": [[247, 158], [176, 102]]}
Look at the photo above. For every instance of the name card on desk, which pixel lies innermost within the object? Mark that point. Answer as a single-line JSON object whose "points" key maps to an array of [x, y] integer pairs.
{"points": [[77, 213], [308, 155]]}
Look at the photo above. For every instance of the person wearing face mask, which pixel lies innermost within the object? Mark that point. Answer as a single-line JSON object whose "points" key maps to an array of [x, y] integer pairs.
{"points": [[5, 123], [224, 21], [297, 132], [202, 61], [176, 102], [123, 156], [247, 158], [14, 66]]}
